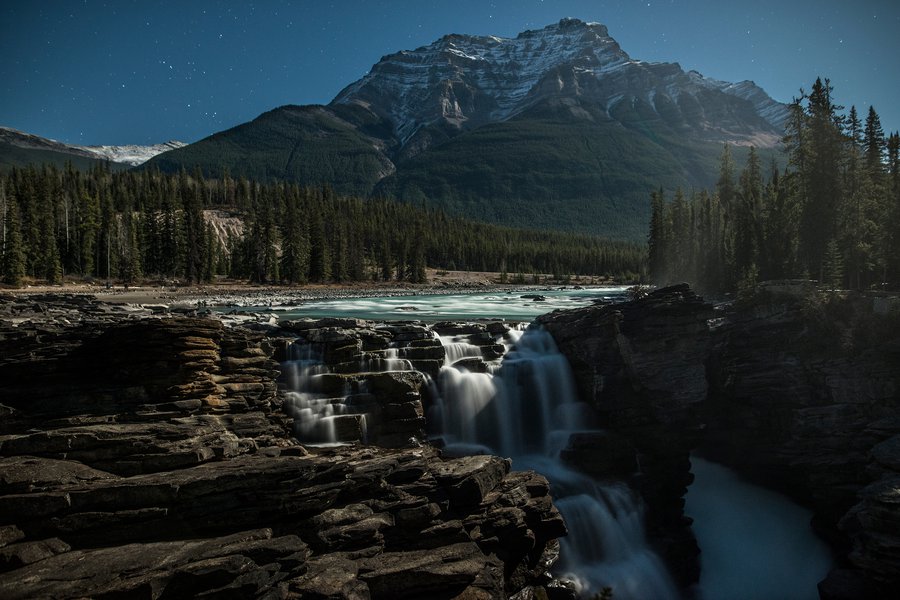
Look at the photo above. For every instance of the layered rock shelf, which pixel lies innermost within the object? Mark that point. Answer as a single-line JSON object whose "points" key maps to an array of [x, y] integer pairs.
{"points": [[150, 456]]}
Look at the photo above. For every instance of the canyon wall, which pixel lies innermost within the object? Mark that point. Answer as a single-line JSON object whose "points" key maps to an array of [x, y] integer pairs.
{"points": [[776, 388]]}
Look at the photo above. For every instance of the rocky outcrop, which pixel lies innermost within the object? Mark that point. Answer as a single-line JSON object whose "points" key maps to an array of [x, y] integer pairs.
{"points": [[641, 365], [775, 388], [796, 408], [150, 457]]}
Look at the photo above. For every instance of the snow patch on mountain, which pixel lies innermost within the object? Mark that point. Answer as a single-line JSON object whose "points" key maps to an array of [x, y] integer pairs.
{"points": [[498, 71], [131, 154]]}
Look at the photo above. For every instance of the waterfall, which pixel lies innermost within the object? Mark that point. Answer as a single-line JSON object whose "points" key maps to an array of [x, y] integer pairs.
{"points": [[388, 360], [527, 410], [313, 413], [456, 348], [525, 407]]}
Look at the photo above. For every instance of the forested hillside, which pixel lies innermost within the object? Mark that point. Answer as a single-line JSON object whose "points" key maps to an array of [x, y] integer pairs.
{"points": [[832, 215], [146, 224]]}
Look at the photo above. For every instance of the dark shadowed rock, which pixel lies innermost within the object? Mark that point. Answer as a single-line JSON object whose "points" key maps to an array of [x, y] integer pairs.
{"points": [[641, 365]]}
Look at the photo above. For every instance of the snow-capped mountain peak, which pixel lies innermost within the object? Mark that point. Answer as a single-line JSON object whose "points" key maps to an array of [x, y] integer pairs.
{"points": [[464, 81]]}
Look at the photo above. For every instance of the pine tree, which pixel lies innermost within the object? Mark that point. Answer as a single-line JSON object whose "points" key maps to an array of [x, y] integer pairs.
{"points": [[874, 143], [818, 217], [681, 236], [295, 245], [747, 218], [833, 265], [87, 229], [319, 259], [782, 212], [890, 237]]}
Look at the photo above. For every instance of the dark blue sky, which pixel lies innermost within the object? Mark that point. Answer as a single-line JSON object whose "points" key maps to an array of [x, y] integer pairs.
{"points": [[124, 71]]}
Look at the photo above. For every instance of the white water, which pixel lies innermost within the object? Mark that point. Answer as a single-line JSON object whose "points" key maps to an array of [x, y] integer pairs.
{"points": [[313, 413], [527, 411], [755, 543], [388, 360], [433, 307]]}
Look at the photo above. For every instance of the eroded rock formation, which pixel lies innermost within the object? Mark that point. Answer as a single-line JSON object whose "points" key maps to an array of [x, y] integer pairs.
{"points": [[150, 457], [793, 405]]}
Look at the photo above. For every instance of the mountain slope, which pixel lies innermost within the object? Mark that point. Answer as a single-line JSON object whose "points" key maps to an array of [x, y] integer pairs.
{"points": [[467, 81], [310, 144], [556, 128]]}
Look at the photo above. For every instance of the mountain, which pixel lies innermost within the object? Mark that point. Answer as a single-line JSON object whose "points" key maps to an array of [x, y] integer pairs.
{"points": [[557, 128], [19, 149]]}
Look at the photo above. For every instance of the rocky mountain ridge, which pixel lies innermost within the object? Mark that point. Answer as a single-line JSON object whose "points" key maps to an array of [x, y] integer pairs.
{"points": [[465, 81], [132, 154]]}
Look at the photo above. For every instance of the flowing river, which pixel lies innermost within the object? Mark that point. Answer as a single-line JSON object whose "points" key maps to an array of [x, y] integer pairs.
{"points": [[755, 544], [510, 305]]}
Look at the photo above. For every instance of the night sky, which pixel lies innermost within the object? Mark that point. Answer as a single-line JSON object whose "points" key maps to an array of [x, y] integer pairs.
{"points": [[119, 72]]}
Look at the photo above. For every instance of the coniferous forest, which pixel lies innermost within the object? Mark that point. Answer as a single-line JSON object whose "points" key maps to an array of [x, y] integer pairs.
{"points": [[136, 225], [833, 214]]}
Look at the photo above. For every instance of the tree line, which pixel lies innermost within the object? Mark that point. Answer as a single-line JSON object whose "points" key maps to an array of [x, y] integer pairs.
{"points": [[832, 214], [145, 224]]}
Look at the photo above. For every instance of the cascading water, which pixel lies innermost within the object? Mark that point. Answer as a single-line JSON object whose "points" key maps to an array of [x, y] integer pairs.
{"points": [[527, 411], [525, 407], [313, 413], [456, 349]]}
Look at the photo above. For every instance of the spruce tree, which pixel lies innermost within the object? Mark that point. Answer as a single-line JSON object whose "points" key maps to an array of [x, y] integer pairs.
{"points": [[874, 142], [890, 239], [818, 217], [747, 219], [295, 245]]}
